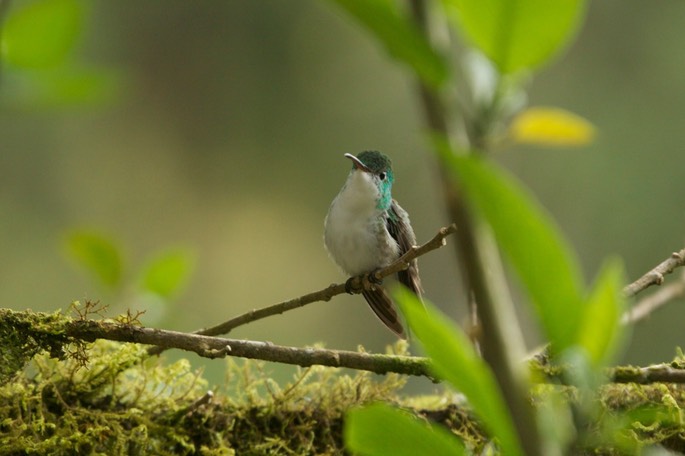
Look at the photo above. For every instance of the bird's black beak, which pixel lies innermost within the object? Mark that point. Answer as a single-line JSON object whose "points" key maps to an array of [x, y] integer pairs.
{"points": [[357, 163]]}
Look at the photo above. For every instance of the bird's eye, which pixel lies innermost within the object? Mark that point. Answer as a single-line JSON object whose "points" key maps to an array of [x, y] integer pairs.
{"points": [[382, 176]]}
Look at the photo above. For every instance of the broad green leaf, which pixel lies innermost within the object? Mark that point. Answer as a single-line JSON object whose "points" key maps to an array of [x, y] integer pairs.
{"points": [[400, 36], [550, 127], [98, 253], [168, 272], [601, 330], [517, 34], [42, 33], [531, 241], [382, 430], [454, 359]]}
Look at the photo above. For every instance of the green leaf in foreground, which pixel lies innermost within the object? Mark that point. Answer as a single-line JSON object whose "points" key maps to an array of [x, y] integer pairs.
{"points": [[382, 430], [42, 33], [98, 253], [601, 330], [454, 359], [168, 272], [400, 36], [531, 241], [517, 34]]}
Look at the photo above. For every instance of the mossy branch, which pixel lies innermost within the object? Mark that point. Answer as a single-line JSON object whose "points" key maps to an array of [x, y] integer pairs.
{"points": [[118, 400], [215, 347], [26, 333], [53, 330], [657, 373]]}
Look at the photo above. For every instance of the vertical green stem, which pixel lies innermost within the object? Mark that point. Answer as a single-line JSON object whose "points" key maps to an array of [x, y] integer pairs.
{"points": [[502, 340]]}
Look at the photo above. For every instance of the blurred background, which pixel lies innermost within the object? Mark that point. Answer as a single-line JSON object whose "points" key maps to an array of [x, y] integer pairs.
{"points": [[220, 127]]}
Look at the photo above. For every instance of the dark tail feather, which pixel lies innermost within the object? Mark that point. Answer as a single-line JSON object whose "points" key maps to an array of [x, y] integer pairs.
{"points": [[410, 279], [382, 306]]}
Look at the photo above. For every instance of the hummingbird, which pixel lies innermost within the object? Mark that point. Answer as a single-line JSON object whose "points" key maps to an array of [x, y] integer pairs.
{"points": [[366, 229]]}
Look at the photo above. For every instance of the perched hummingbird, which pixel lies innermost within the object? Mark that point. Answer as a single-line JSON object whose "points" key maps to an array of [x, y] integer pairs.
{"points": [[366, 229]]}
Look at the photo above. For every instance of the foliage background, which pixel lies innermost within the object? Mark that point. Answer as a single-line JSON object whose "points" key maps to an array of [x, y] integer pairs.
{"points": [[226, 130]]}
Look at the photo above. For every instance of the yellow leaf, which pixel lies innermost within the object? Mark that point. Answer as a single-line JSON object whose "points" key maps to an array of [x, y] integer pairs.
{"points": [[551, 127]]}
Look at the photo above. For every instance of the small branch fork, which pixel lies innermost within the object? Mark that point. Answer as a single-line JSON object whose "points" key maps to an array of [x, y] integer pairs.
{"points": [[656, 275], [644, 308]]}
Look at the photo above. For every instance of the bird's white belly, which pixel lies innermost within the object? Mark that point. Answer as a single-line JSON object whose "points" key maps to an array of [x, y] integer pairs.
{"points": [[358, 244], [354, 247]]}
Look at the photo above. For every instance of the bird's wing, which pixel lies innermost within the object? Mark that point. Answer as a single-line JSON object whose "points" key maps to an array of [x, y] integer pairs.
{"points": [[399, 228]]}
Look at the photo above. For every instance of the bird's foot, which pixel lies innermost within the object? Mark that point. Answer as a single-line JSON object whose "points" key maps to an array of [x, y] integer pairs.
{"points": [[373, 278], [352, 285], [357, 284], [371, 281]]}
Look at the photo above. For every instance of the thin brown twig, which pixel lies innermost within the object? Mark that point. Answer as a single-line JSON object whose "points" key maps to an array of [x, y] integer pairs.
{"points": [[656, 275], [325, 294], [646, 306], [403, 262]]}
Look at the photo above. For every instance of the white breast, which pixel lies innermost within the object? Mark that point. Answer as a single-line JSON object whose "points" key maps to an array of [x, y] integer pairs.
{"points": [[355, 233]]}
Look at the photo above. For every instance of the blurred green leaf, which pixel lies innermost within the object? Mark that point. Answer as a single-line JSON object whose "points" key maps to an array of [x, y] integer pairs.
{"points": [[168, 272], [382, 430], [98, 253], [454, 359], [601, 329], [42, 33], [400, 36], [525, 232], [59, 87], [517, 34], [555, 419]]}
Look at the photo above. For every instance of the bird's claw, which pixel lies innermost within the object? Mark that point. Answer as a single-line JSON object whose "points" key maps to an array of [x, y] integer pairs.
{"points": [[356, 284], [372, 278], [351, 286]]}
